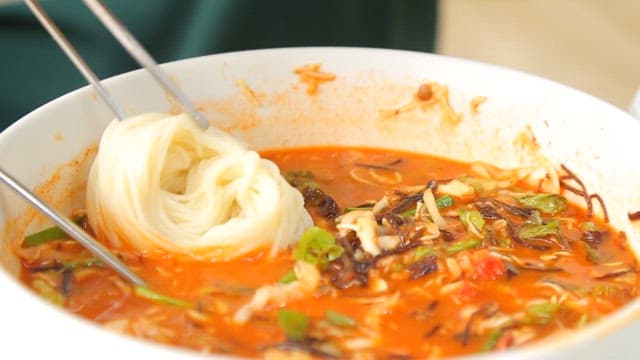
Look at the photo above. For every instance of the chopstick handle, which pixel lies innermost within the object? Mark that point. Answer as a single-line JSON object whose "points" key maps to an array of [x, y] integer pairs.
{"points": [[75, 57], [137, 51]]}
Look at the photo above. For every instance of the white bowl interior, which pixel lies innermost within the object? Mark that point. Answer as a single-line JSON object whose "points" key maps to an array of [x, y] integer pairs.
{"points": [[596, 140]]}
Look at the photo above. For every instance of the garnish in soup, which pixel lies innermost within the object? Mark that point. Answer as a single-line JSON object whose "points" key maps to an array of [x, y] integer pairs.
{"points": [[410, 256]]}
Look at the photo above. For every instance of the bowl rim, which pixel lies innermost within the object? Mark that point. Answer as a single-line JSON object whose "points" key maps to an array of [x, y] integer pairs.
{"points": [[629, 313]]}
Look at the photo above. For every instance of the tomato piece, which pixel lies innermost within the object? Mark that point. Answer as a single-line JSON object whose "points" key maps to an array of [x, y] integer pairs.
{"points": [[487, 267], [466, 292]]}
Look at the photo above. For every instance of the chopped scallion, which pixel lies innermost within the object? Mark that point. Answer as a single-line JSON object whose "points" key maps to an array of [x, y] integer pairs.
{"points": [[547, 203], [288, 278], [463, 245], [317, 246], [82, 263], [294, 324], [422, 252], [532, 231], [49, 234], [592, 254], [409, 213], [339, 319], [349, 209], [149, 294], [491, 342], [444, 201], [541, 314]]}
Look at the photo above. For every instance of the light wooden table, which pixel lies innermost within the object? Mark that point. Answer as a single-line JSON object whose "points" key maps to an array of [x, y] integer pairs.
{"points": [[592, 45]]}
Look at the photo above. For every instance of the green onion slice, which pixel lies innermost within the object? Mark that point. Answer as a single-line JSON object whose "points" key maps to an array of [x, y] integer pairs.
{"points": [[533, 231], [464, 245], [50, 234], [547, 203], [288, 278], [149, 294], [294, 324], [318, 247], [339, 319], [444, 201]]}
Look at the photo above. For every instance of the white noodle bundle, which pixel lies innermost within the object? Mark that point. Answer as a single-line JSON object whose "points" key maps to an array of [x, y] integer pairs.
{"points": [[161, 183]]}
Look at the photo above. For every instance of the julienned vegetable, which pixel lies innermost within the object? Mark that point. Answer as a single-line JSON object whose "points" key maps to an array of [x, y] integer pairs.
{"points": [[317, 246]]}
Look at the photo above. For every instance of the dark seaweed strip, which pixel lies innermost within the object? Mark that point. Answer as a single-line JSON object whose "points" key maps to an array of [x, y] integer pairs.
{"points": [[602, 206], [67, 279], [346, 271], [512, 270], [47, 267], [388, 166], [423, 267], [487, 210], [487, 310], [447, 236], [633, 216], [613, 274], [592, 237], [395, 162], [309, 346], [514, 210], [588, 199], [376, 167], [433, 331], [407, 202], [326, 205], [396, 251]]}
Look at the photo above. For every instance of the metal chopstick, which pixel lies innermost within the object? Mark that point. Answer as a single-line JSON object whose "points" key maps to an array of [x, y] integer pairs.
{"points": [[137, 51], [75, 58], [73, 230], [65, 224]]}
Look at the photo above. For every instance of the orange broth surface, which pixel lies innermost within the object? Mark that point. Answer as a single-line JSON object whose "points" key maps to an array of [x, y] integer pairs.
{"points": [[474, 301]]}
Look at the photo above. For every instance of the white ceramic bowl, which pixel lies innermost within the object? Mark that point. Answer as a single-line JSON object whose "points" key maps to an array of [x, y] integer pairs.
{"points": [[596, 140]]}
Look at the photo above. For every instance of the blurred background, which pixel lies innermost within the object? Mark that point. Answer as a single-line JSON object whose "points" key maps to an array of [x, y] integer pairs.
{"points": [[592, 45]]}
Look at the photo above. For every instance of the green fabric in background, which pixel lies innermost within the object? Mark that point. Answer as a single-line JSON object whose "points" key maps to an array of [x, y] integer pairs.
{"points": [[33, 70]]}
